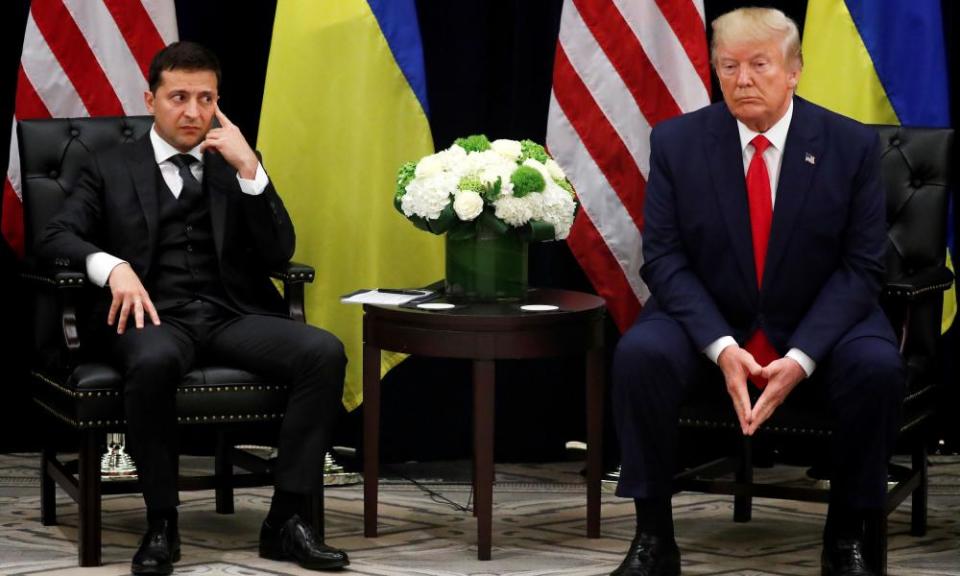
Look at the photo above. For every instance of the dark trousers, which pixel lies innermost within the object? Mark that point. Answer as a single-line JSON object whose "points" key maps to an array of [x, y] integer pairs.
{"points": [[153, 360], [861, 386]]}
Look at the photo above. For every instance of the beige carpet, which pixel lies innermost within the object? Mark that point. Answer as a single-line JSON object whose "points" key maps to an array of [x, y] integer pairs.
{"points": [[538, 528]]}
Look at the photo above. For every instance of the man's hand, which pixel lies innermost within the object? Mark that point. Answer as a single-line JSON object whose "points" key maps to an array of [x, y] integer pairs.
{"points": [[737, 364], [230, 143], [782, 376], [129, 295]]}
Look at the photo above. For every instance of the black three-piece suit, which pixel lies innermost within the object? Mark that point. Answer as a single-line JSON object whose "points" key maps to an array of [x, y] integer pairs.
{"points": [[204, 259]]}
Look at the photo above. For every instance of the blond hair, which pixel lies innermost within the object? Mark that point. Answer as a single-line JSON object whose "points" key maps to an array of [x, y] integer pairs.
{"points": [[750, 25]]}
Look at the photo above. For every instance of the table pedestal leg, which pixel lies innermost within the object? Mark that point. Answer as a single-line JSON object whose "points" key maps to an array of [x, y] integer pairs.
{"points": [[371, 437], [594, 439], [483, 408]]}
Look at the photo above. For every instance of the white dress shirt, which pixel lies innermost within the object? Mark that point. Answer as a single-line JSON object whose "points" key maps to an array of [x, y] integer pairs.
{"points": [[100, 264], [777, 136]]}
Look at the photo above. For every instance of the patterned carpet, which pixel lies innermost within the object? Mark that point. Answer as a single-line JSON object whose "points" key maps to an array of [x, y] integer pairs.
{"points": [[426, 530]]}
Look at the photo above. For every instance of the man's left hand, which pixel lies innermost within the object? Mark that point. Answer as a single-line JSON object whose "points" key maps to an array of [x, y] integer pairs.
{"points": [[230, 143], [782, 376]]}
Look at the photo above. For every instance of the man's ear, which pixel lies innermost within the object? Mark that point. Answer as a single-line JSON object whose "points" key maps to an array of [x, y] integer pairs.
{"points": [[148, 100]]}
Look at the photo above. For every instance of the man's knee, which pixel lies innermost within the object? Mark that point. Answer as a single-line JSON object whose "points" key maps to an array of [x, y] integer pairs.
{"points": [[652, 354], [321, 350], [874, 365]]}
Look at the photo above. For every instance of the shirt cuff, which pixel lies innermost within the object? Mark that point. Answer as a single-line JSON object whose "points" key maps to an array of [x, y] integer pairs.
{"points": [[99, 267], [805, 362], [714, 349], [256, 186]]}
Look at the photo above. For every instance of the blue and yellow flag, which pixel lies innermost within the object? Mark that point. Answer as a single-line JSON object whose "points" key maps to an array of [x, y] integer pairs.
{"points": [[344, 106], [880, 62]]}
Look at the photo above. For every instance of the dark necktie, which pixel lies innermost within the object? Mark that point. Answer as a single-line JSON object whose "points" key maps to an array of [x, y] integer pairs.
{"points": [[191, 186], [761, 217]]}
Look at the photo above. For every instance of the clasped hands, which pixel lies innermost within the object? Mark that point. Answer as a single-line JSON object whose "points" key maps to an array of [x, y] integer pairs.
{"points": [[782, 376]]}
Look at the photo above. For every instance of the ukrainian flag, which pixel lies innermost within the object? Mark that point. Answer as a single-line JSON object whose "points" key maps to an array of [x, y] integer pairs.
{"points": [[880, 62], [344, 106]]}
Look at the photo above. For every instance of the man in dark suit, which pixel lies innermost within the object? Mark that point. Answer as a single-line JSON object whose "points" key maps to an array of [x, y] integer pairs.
{"points": [[763, 246], [182, 228]]}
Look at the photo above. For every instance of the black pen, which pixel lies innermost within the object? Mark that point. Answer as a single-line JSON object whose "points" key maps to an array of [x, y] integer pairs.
{"points": [[402, 291]]}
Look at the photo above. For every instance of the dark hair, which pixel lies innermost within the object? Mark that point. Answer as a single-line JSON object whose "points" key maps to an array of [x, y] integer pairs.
{"points": [[188, 56]]}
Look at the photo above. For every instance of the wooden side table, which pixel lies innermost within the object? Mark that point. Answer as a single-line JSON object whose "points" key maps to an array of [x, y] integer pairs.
{"points": [[485, 333]]}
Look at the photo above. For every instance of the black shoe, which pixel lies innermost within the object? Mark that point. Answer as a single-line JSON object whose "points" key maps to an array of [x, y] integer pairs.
{"points": [[650, 555], [158, 550], [843, 557], [296, 541]]}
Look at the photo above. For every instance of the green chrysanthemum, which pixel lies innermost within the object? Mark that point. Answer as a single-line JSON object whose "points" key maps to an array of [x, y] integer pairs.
{"points": [[471, 183], [563, 183], [474, 143], [526, 180]]}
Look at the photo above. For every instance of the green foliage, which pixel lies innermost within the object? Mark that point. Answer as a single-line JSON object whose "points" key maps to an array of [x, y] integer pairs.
{"points": [[530, 149], [492, 192], [526, 180], [404, 176], [473, 143], [563, 183]]}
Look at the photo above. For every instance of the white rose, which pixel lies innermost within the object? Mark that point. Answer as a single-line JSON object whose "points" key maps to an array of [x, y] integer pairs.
{"points": [[509, 149], [467, 204], [555, 170]]}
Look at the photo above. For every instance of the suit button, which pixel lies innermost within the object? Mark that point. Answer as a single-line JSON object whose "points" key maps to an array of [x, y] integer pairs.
{"points": [[189, 248], [189, 228]]}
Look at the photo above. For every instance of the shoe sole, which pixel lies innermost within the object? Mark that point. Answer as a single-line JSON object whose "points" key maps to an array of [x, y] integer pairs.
{"points": [[330, 565]]}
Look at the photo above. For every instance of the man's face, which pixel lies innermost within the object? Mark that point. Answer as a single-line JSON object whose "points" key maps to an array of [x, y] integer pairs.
{"points": [[183, 106], [756, 81]]}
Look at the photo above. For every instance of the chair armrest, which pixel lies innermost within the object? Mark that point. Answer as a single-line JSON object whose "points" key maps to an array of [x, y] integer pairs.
{"points": [[67, 285], [294, 276], [911, 287]]}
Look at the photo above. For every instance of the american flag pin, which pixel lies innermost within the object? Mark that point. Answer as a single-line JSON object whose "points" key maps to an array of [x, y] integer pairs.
{"points": [[809, 159]]}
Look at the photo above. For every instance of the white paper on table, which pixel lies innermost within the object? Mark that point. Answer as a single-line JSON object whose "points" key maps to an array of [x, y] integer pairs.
{"points": [[377, 297]]}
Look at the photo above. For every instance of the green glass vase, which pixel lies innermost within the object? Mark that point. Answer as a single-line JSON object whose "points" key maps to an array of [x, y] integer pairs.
{"points": [[486, 267]]}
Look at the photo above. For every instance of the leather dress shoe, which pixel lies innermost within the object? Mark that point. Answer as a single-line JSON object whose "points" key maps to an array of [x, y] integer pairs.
{"points": [[843, 557], [296, 541], [650, 555], [158, 550]]}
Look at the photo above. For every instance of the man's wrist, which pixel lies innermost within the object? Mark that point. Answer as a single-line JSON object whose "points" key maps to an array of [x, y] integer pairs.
{"points": [[715, 348], [805, 362]]}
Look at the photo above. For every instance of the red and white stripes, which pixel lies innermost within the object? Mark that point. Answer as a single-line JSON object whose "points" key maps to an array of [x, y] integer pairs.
{"points": [[621, 66], [82, 58]]}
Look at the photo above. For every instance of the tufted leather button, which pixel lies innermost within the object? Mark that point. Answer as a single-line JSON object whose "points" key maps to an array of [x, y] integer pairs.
{"points": [[53, 174], [74, 132], [128, 131], [916, 183], [894, 141]]}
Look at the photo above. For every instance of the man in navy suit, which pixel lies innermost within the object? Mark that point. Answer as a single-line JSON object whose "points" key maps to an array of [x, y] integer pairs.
{"points": [[763, 246]]}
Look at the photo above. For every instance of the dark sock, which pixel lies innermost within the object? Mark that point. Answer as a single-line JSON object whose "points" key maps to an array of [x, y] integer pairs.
{"points": [[283, 506], [155, 515], [654, 515], [843, 523]]}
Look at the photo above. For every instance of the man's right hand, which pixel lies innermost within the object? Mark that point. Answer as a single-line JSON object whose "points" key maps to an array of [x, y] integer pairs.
{"points": [[737, 365], [129, 295]]}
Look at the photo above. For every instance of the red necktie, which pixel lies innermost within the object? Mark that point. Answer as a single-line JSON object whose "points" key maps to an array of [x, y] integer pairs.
{"points": [[761, 217]]}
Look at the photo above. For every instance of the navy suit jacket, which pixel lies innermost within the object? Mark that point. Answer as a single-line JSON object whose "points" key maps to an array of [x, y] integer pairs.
{"points": [[824, 264]]}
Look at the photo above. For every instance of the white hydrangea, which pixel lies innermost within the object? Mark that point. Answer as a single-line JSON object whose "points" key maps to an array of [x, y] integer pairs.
{"points": [[557, 207], [428, 196], [467, 204], [514, 211], [509, 149]]}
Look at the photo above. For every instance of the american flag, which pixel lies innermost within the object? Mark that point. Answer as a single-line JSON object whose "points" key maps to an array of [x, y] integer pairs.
{"points": [[82, 58], [621, 66]]}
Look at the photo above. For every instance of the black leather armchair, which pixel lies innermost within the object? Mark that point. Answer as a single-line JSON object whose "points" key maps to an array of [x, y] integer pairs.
{"points": [[915, 168], [86, 395]]}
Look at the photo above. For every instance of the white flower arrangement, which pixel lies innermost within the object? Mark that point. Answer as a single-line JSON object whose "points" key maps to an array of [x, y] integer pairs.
{"points": [[500, 185]]}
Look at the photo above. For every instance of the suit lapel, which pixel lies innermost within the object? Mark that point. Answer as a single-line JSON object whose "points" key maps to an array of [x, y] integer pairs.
{"points": [[143, 168], [729, 183], [797, 166], [217, 176]]}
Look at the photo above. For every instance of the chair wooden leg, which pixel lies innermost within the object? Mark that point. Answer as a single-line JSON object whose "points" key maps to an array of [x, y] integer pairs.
{"points": [[223, 468], [743, 504], [89, 503], [875, 542], [48, 490], [918, 511]]}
